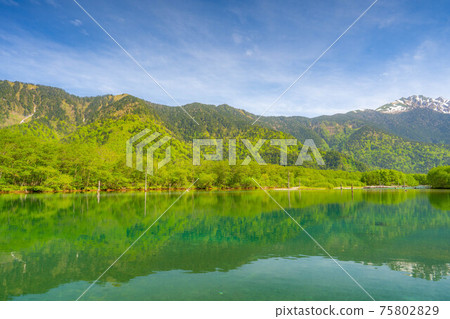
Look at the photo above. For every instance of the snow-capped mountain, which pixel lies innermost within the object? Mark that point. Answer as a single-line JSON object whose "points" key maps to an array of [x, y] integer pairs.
{"points": [[414, 102]]}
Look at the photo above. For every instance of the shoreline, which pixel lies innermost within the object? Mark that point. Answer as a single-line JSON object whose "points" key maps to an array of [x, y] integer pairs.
{"points": [[125, 190]]}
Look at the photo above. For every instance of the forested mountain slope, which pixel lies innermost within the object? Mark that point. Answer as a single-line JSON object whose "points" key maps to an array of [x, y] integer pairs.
{"points": [[371, 145], [354, 141]]}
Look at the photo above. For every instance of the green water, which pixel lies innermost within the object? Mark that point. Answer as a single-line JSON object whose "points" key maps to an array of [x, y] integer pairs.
{"points": [[226, 246]]}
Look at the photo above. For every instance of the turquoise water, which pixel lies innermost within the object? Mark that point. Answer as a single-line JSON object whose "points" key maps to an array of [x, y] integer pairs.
{"points": [[226, 246]]}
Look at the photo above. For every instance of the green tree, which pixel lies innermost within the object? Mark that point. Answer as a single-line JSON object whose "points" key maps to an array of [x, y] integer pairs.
{"points": [[439, 177]]}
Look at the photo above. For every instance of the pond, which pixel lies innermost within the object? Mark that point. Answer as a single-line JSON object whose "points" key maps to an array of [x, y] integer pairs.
{"points": [[235, 245]]}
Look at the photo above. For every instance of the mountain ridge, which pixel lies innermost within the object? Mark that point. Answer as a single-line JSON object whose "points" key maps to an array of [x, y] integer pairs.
{"points": [[403, 104], [440, 104], [63, 116]]}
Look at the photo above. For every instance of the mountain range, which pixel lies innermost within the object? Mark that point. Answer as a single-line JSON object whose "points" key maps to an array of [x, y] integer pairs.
{"points": [[440, 105], [410, 134]]}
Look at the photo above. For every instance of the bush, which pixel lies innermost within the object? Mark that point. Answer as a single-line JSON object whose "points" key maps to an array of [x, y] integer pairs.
{"points": [[421, 178], [206, 181], [323, 185], [439, 177]]}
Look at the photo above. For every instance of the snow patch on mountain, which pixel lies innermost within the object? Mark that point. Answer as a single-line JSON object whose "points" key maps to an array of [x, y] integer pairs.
{"points": [[415, 102]]}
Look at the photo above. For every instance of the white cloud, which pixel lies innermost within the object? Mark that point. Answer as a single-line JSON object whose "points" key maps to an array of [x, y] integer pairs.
{"points": [[218, 77], [193, 64], [9, 3], [76, 22], [237, 38], [424, 70], [53, 3]]}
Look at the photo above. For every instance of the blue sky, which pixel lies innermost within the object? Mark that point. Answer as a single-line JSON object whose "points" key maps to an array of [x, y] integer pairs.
{"points": [[241, 53]]}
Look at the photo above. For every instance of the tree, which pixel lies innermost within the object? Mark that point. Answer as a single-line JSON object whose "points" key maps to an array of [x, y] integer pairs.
{"points": [[439, 177]]}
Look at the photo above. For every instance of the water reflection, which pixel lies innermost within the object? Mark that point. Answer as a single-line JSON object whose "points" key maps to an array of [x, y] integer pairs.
{"points": [[48, 240]]}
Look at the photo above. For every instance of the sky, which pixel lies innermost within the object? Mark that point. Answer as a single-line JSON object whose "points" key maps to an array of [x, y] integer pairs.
{"points": [[240, 53]]}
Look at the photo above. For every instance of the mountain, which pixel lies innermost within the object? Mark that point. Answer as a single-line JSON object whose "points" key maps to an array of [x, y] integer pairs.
{"points": [[82, 135], [411, 140], [372, 145], [421, 119], [52, 140], [369, 137], [440, 105], [93, 119]]}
